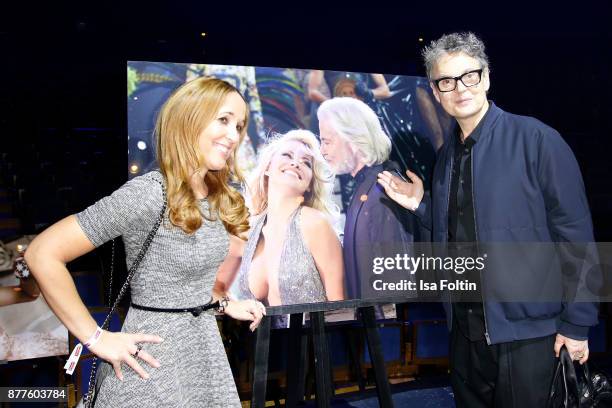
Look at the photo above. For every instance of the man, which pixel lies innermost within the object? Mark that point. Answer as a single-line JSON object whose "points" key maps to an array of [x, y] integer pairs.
{"points": [[501, 178], [353, 142]]}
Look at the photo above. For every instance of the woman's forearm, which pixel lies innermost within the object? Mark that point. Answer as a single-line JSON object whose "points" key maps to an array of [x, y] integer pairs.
{"points": [[61, 295], [46, 257]]}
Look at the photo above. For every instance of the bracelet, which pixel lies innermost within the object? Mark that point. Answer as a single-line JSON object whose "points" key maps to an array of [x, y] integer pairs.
{"points": [[94, 337], [78, 349], [222, 304]]}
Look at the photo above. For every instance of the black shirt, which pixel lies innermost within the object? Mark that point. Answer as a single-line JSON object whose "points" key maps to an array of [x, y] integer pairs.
{"points": [[469, 316]]}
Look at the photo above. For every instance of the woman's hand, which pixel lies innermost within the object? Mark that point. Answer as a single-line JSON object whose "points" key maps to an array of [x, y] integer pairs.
{"points": [[249, 310], [118, 348]]}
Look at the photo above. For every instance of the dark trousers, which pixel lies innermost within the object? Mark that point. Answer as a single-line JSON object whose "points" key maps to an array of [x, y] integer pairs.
{"points": [[514, 374]]}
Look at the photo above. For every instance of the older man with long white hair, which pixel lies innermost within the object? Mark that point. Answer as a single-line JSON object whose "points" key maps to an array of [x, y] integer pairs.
{"points": [[353, 142]]}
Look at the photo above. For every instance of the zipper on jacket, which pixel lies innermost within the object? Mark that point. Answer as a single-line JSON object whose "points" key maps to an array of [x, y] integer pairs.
{"points": [[484, 307], [450, 175]]}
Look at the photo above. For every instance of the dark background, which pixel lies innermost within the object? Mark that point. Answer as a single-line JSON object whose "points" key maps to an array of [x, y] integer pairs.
{"points": [[63, 102], [63, 97]]}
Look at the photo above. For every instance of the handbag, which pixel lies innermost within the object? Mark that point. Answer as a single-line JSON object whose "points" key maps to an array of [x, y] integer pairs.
{"points": [[580, 388], [89, 399]]}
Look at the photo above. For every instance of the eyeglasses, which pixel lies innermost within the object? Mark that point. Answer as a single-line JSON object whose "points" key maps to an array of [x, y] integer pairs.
{"points": [[468, 79]]}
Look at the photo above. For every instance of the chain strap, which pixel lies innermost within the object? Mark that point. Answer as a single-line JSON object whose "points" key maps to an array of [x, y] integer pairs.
{"points": [[88, 398], [112, 270]]}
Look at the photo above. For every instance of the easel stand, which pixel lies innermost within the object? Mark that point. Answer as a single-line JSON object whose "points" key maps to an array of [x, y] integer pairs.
{"points": [[323, 371]]}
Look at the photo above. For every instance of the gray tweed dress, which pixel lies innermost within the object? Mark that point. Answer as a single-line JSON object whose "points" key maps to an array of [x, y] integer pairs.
{"points": [[178, 271]]}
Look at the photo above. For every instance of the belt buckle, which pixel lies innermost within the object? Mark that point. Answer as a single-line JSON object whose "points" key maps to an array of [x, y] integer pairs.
{"points": [[197, 311]]}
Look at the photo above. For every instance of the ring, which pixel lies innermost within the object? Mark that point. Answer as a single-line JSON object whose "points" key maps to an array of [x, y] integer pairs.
{"points": [[138, 348], [579, 356]]}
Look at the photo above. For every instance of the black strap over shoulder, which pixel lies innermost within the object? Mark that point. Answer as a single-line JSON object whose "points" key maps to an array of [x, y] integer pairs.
{"points": [[89, 398]]}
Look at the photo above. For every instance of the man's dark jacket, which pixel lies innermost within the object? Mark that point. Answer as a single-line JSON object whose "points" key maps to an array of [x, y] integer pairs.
{"points": [[527, 188], [375, 227]]}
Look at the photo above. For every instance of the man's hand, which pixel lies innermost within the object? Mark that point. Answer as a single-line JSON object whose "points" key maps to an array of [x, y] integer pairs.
{"points": [[578, 349], [408, 195]]}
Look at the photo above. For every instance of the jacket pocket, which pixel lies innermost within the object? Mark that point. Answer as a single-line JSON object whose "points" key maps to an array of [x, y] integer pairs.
{"points": [[531, 310]]}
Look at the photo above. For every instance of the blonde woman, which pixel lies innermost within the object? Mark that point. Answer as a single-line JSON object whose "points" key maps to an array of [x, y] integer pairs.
{"points": [[197, 131], [293, 254]]}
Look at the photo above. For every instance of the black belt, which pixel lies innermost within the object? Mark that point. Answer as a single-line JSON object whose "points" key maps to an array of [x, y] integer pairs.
{"points": [[195, 311]]}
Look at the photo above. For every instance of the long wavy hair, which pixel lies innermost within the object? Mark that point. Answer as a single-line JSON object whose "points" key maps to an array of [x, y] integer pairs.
{"points": [[181, 120], [321, 186]]}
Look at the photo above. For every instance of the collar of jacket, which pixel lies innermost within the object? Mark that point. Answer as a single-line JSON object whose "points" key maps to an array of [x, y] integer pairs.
{"points": [[490, 119]]}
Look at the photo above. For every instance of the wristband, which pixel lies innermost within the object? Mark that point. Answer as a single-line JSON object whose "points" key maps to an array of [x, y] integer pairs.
{"points": [[94, 337], [78, 349]]}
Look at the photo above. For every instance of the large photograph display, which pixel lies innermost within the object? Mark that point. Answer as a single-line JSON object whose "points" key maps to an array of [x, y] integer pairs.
{"points": [[339, 129]]}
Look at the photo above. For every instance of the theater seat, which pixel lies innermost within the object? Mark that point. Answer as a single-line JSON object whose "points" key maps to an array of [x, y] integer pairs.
{"points": [[429, 333]]}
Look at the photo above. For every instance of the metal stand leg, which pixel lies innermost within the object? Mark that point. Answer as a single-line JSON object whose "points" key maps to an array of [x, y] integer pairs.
{"points": [[378, 363], [296, 369], [322, 364], [260, 372], [353, 342]]}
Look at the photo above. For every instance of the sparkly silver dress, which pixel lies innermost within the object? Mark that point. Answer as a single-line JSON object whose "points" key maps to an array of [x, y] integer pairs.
{"points": [[298, 278], [178, 271]]}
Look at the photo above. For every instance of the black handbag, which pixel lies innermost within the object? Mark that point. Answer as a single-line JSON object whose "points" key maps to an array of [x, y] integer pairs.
{"points": [[89, 399], [580, 388]]}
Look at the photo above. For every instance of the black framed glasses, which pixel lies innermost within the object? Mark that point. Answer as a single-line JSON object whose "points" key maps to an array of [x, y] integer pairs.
{"points": [[468, 79]]}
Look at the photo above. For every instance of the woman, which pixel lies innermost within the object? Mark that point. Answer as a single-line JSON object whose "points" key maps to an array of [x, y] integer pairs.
{"points": [[197, 131], [293, 254]]}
